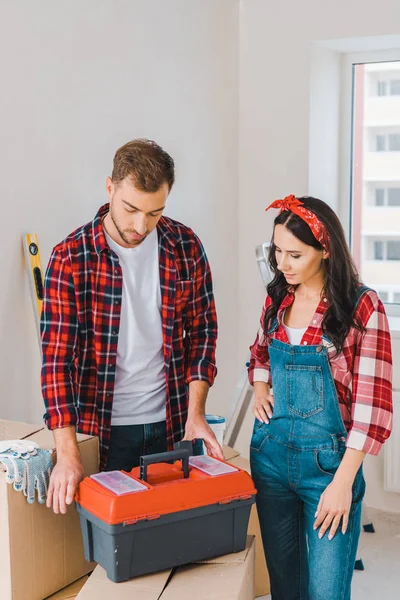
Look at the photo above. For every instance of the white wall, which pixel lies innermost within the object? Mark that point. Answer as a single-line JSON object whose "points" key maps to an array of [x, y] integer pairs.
{"points": [[278, 66], [78, 80], [81, 78]]}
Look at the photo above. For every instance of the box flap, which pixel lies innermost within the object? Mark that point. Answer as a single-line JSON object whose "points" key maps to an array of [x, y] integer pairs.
{"points": [[70, 592], [224, 581], [242, 463], [148, 587], [14, 430], [45, 438], [230, 453]]}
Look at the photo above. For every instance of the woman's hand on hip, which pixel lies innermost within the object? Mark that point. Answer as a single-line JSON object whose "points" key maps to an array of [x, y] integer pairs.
{"points": [[263, 402]]}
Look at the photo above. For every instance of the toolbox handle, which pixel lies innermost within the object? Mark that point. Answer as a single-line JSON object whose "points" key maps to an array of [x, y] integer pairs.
{"points": [[182, 454]]}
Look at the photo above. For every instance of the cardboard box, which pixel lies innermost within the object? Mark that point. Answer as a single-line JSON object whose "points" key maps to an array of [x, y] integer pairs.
{"points": [[70, 592], [262, 583], [40, 552], [229, 577]]}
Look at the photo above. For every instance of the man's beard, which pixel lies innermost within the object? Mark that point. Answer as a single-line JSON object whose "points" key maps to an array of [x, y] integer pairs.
{"points": [[123, 236]]}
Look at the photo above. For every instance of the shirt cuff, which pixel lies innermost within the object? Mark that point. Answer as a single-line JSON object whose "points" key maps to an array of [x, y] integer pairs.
{"points": [[204, 370], [59, 420], [358, 440]]}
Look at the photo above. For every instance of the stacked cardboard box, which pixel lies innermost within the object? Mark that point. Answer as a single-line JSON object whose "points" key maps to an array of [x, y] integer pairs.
{"points": [[229, 577], [262, 584], [70, 592], [40, 552]]}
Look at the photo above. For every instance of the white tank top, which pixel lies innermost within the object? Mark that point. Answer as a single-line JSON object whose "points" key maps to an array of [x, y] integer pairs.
{"points": [[294, 334]]}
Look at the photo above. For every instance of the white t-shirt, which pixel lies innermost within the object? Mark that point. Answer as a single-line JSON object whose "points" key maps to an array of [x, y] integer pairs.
{"points": [[140, 383]]}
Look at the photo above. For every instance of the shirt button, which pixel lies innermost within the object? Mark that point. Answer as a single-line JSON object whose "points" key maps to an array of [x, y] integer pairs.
{"points": [[117, 301], [304, 343], [114, 332], [319, 349], [315, 322], [325, 300]]}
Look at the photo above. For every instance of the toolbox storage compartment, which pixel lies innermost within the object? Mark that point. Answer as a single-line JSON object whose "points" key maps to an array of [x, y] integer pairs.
{"points": [[177, 516]]}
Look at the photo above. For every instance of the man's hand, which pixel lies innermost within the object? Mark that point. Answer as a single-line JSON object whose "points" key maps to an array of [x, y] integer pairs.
{"points": [[198, 428], [64, 480], [68, 471]]}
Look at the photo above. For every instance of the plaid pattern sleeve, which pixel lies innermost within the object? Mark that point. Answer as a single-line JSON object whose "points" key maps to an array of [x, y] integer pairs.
{"points": [[259, 369], [59, 327], [201, 326], [371, 410]]}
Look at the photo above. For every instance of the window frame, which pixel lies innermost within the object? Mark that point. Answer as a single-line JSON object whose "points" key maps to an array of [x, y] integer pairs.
{"points": [[348, 63]]}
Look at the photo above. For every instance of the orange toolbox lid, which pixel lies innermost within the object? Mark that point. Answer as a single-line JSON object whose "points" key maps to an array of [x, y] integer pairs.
{"points": [[158, 488]]}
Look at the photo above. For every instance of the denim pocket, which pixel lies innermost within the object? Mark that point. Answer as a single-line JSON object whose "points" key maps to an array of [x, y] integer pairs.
{"points": [[328, 461], [305, 390], [259, 436]]}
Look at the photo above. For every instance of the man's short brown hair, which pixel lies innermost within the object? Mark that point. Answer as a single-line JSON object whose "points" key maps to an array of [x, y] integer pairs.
{"points": [[145, 163]]}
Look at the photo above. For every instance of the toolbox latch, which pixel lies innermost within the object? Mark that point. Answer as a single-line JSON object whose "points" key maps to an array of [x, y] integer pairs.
{"points": [[229, 500], [152, 517], [141, 518], [226, 501]]}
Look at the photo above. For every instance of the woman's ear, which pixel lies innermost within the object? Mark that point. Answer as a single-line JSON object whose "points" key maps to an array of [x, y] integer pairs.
{"points": [[325, 254]]}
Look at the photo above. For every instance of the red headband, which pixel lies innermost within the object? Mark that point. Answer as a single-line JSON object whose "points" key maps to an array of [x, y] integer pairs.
{"points": [[292, 204]]}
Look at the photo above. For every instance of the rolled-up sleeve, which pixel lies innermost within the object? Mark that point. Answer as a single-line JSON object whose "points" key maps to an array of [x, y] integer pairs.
{"points": [[259, 368], [201, 327], [372, 406], [59, 331]]}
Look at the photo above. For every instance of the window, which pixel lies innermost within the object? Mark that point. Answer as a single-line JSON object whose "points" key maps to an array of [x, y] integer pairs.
{"points": [[381, 88], [386, 250], [394, 87], [393, 197], [378, 251], [380, 143], [379, 197], [384, 296], [394, 142], [393, 250], [372, 172]]}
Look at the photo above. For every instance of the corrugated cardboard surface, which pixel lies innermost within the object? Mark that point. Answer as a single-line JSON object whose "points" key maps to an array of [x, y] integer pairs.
{"points": [[99, 587], [229, 577], [70, 592], [262, 583], [40, 552]]}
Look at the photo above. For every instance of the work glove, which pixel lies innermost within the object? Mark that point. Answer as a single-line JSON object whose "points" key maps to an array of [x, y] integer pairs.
{"points": [[28, 468]]}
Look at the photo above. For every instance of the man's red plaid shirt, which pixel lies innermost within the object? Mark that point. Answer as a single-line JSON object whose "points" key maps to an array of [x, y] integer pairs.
{"points": [[81, 319]]}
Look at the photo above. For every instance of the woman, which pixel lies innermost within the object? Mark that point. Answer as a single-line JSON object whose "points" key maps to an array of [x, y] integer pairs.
{"points": [[324, 347]]}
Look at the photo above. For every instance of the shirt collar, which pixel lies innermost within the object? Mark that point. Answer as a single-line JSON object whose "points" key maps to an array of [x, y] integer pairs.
{"points": [[288, 301]]}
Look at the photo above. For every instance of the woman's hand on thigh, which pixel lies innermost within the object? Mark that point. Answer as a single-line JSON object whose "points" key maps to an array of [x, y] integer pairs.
{"points": [[334, 507]]}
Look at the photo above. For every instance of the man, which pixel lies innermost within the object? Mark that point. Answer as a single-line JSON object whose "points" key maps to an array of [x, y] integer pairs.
{"points": [[129, 327]]}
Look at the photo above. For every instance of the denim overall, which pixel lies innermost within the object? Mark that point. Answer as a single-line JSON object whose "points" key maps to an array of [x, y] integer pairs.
{"points": [[293, 459]]}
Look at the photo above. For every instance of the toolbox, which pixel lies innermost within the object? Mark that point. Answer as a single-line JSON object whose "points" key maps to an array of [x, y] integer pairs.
{"points": [[172, 510]]}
